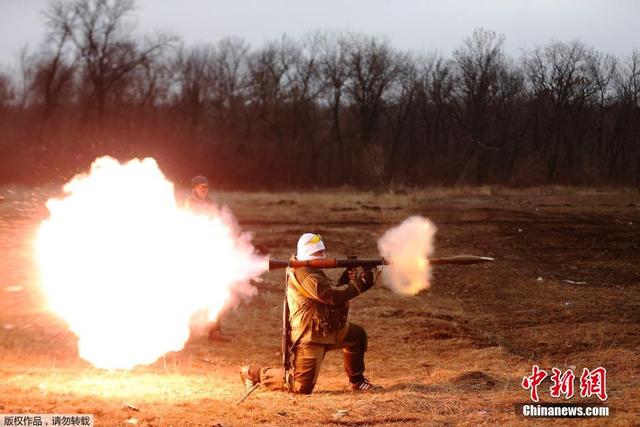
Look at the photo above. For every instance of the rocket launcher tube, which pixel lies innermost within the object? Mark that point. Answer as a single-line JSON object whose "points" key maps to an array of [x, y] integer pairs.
{"points": [[275, 264]]}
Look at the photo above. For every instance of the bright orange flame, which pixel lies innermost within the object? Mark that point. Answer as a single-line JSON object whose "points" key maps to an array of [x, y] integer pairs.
{"points": [[126, 267]]}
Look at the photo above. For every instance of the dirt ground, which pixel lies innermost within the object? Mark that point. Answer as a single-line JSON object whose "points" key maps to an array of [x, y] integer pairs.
{"points": [[564, 291]]}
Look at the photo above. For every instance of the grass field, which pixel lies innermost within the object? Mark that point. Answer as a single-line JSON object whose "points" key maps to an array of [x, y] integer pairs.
{"points": [[563, 292]]}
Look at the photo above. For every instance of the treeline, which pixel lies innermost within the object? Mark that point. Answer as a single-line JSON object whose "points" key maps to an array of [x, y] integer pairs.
{"points": [[326, 110]]}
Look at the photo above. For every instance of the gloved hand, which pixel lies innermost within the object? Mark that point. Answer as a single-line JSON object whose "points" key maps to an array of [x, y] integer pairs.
{"points": [[348, 275], [367, 277]]}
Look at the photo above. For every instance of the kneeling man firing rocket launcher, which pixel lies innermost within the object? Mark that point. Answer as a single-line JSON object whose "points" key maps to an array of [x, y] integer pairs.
{"points": [[315, 308]]}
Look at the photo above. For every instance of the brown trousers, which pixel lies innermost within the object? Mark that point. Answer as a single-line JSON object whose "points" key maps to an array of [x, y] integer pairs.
{"points": [[308, 357]]}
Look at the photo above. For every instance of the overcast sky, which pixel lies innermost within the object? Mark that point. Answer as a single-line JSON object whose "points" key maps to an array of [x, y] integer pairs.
{"points": [[418, 25]]}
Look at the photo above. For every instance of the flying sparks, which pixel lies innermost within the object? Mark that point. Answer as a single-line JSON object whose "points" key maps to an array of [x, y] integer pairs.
{"points": [[407, 248], [127, 268]]}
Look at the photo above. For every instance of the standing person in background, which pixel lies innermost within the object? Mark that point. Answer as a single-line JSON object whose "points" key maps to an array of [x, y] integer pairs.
{"points": [[199, 200], [201, 203]]}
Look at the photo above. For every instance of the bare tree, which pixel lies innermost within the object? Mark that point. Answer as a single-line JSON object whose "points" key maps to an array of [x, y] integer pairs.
{"points": [[55, 68], [601, 70], [7, 149], [270, 69], [371, 69], [400, 107], [480, 60], [623, 149], [193, 73], [302, 89], [333, 79], [103, 37], [23, 84], [435, 101], [559, 78], [6, 91], [229, 90], [150, 84], [327, 109], [510, 119]]}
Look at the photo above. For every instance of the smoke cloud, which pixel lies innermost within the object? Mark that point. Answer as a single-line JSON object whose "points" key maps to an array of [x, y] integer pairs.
{"points": [[126, 267], [407, 248]]}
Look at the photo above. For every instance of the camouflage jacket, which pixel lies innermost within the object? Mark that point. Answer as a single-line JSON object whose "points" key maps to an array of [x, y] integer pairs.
{"points": [[318, 306]]}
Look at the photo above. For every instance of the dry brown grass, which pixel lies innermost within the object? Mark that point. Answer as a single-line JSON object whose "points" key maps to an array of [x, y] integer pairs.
{"points": [[452, 355]]}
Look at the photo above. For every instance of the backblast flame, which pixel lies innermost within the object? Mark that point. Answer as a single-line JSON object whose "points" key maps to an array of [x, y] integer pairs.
{"points": [[126, 267], [407, 248]]}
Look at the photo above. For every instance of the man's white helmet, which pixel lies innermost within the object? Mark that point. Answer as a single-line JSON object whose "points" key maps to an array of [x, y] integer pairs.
{"points": [[308, 244]]}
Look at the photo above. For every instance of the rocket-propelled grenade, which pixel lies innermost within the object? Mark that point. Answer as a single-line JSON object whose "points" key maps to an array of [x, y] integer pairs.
{"points": [[275, 264]]}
